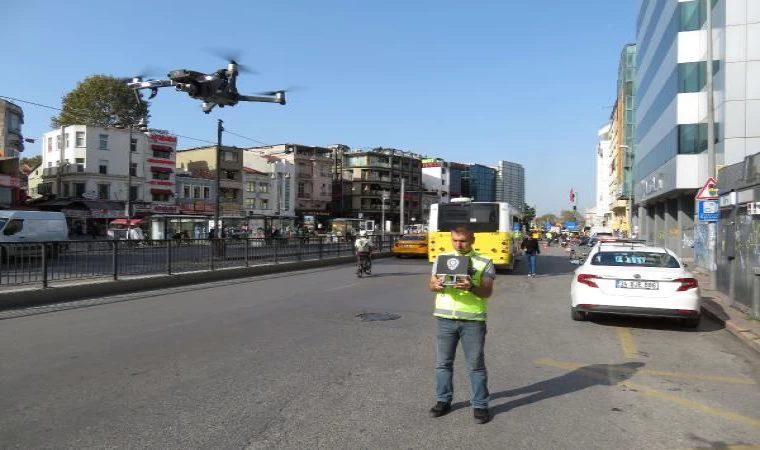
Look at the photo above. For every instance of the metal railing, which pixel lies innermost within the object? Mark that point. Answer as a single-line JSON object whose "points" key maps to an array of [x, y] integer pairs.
{"points": [[40, 263]]}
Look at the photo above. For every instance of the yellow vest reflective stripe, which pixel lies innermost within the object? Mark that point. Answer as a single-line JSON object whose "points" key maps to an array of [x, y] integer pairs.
{"points": [[458, 304]]}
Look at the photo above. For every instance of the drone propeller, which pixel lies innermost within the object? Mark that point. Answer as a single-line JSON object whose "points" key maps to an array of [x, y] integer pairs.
{"points": [[288, 89], [146, 72], [232, 57]]}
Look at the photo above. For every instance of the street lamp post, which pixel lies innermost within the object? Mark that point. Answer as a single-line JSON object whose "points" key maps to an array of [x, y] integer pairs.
{"points": [[217, 207], [382, 215]]}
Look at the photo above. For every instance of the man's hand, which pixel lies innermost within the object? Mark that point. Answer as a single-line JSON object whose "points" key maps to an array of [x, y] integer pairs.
{"points": [[435, 284], [463, 283]]}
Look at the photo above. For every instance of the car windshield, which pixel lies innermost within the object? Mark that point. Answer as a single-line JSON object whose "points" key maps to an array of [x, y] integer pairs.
{"points": [[2, 223], [413, 238], [635, 259]]}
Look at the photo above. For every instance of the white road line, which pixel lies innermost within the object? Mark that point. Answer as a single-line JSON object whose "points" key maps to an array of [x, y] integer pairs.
{"points": [[340, 287]]}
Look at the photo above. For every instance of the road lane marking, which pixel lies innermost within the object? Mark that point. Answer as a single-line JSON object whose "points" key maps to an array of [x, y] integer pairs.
{"points": [[341, 287], [729, 447], [640, 388], [653, 373], [626, 341]]}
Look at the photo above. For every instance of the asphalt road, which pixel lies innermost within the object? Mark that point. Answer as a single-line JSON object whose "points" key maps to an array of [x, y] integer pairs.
{"points": [[284, 362]]}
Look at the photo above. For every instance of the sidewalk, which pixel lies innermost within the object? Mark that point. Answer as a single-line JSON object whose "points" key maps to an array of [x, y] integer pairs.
{"points": [[718, 306]]}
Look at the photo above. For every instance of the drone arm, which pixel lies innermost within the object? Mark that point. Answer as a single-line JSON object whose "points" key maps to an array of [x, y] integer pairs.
{"points": [[279, 97]]}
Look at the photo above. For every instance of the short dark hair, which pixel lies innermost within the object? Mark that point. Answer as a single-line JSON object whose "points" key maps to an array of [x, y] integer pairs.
{"points": [[466, 229]]}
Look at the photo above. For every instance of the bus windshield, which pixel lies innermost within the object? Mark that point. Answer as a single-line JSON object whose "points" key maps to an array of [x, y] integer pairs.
{"points": [[480, 217]]}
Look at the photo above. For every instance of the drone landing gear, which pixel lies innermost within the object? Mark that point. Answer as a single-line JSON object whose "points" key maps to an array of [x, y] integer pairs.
{"points": [[208, 106]]}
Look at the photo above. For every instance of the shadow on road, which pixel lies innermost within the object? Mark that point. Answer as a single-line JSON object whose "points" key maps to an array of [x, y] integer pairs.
{"points": [[654, 323], [577, 380]]}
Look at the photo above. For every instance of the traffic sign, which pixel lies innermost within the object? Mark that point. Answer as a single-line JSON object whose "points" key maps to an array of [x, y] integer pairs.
{"points": [[709, 190], [709, 210]]}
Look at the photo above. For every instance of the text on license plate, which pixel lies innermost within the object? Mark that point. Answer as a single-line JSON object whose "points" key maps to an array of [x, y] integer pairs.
{"points": [[629, 284]]}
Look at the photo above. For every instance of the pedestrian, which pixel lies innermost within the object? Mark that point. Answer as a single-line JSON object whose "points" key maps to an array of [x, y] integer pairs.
{"points": [[532, 250], [460, 312]]}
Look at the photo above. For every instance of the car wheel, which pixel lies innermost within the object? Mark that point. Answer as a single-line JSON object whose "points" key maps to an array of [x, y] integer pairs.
{"points": [[577, 315], [692, 322]]}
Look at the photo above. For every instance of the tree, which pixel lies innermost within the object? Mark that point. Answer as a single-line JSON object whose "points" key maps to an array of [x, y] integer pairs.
{"points": [[529, 214], [568, 216], [101, 100], [32, 161], [547, 218]]}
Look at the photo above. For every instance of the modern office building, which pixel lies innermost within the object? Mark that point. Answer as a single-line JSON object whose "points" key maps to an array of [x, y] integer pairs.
{"points": [[672, 108], [479, 183], [510, 184]]}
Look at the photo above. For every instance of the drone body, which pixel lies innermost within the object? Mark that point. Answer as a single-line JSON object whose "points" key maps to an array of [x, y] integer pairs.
{"points": [[215, 89]]}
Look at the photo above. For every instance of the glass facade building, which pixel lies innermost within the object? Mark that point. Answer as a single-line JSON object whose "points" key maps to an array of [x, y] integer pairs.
{"points": [[479, 183]]}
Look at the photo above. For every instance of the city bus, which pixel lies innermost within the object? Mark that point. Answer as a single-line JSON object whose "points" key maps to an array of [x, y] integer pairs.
{"points": [[492, 223]]}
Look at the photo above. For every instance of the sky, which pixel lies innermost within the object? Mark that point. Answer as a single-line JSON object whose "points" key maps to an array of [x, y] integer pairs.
{"points": [[530, 82]]}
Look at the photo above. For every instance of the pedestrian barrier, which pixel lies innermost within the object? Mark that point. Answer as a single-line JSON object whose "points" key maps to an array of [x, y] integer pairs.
{"points": [[40, 263]]}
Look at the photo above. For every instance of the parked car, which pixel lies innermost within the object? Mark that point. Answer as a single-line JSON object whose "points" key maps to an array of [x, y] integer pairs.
{"points": [[411, 245], [634, 279]]}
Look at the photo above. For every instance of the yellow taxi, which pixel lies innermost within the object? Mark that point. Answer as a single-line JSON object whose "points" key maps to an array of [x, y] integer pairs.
{"points": [[411, 245]]}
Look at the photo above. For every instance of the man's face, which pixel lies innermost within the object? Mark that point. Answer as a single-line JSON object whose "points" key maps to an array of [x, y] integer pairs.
{"points": [[462, 242]]}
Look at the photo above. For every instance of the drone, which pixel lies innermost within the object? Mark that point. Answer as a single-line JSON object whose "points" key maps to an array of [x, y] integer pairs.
{"points": [[214, 89]]}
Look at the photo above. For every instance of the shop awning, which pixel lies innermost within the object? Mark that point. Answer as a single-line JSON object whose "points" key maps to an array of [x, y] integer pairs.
{"points": [[124, 222], [161, 169], [162, 191]]}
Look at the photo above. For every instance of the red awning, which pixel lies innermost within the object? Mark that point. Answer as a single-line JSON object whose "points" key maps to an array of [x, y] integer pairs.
{"points": [[161, 148], [162, 191], [124, 222], [161, 169]]}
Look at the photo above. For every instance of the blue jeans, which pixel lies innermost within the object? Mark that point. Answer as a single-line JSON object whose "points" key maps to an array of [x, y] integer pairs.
{"points": [[531, 262], [472, 333]]}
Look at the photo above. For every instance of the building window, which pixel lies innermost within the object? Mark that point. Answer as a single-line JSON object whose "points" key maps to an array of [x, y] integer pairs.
{"points": [[79, 139], [692, 138], [58, 142], [79, 190], [196, 192], [250, 186], [206, 192], [185, 191], [160, 197], [66, 189], [133, 145], [301, 189], [67, 140], [162, 155], [250, 203], [49, 144], [161, 176], [133, 170], [103, 142], [229, 174], [103, 167], [133, 193], [104, 191], [264, 203], [229, 156], [264, 188]]}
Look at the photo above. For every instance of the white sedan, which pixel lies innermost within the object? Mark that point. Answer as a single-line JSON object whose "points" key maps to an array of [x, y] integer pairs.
{"points": [[633, 279]]}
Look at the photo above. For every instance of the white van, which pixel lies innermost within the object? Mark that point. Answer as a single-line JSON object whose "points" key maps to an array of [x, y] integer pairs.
{"points": [[30, 226]]}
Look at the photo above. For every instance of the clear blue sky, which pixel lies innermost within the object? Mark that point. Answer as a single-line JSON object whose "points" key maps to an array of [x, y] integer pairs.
{"points": [[528, 81]]}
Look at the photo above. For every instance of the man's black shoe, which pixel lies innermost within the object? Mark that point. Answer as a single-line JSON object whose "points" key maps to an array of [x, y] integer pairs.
{"points": [[482, 415], [440, 409]]}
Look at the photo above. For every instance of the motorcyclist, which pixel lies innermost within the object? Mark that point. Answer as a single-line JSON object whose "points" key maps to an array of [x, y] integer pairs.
{"points": [[363, 247]]}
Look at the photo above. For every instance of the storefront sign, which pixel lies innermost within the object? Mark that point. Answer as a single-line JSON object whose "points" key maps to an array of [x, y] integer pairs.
{"points": [[165, 209], [8, 181], [166, 138]]}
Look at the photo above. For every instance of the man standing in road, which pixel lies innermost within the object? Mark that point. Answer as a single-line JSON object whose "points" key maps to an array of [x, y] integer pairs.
{"points": [[460, 312]]}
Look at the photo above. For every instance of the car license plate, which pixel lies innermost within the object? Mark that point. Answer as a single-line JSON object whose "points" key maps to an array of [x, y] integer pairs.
{"points": [[630, 284]]}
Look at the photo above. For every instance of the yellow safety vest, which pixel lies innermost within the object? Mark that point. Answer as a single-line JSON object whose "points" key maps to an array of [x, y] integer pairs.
{"points": [[454, 303]]}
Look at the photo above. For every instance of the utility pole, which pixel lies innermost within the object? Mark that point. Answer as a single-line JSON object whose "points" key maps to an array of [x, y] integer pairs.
{"points": [[219, 130], [712, 226], [61, 154], [401, 230], [129, 178]]}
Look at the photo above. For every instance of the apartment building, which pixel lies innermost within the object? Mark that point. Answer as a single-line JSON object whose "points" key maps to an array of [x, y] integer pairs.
{"points": [[510, 184], [672, 109], [602, 212], [312, 180], [11, 146], [202, 161], [376, 185]]}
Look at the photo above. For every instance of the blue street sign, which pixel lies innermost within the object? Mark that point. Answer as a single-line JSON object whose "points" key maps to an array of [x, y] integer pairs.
{"points": [[515, 227], [709, 210], [571, 225], [547, 225]]}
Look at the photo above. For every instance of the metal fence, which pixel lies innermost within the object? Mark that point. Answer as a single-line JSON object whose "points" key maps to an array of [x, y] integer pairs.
{"points": [[44, 262]]}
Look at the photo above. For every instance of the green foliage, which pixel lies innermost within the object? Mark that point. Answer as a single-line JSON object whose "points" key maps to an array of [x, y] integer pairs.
{"points": [[546, 218], [568, 216], [32, 161], [101, 100], [529, 214]]}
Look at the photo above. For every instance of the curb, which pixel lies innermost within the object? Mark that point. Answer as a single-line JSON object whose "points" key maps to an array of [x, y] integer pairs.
{"points": [[714, 305], [24, 298]]}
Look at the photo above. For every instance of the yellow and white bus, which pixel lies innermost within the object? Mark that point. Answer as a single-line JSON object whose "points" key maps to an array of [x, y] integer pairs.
{"points": [[492, 223]]}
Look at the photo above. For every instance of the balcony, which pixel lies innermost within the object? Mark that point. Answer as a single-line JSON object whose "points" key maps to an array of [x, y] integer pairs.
{"points": [[65, 169], [230, 184]]}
